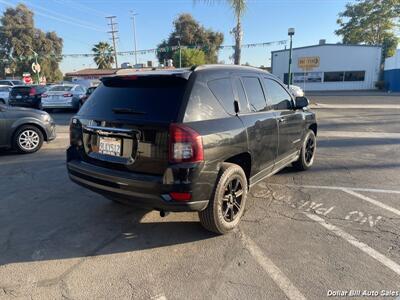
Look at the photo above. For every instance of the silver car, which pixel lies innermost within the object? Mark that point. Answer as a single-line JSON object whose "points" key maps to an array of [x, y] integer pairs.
{"points": [[11, 82], [63, 96], [4, 93]]}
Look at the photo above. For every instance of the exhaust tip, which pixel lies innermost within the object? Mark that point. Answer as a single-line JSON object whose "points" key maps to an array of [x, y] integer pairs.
{"points": [[164, 213]]}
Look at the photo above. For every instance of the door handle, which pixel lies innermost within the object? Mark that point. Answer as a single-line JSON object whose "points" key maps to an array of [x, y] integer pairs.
{"points": [[281, 120]]}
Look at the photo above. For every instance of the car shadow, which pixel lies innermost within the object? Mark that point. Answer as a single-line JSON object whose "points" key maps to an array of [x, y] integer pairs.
{"points": [[87, 227]]}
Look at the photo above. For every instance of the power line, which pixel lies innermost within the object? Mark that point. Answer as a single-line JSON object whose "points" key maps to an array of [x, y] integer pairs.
{"points": [[81, 6], [56, 18], [114, 36]]}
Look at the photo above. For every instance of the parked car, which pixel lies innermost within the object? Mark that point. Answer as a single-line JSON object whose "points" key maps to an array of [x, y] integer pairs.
{"points": [[192, 140], [4, 94], [63, 96], [26, 96], [89, 91], [11, 82], [296, 91], [25, 129]]}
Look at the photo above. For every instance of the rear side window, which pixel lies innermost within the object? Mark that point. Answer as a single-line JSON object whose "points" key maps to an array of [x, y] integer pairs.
{"points": [[255, 94], [203, 105], [4, 89], [222, 90], [5, 82], [277, 95], [153, 98]]}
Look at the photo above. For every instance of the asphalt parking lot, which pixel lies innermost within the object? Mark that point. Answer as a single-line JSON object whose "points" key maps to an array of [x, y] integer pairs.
{"points": [[309, 235]]}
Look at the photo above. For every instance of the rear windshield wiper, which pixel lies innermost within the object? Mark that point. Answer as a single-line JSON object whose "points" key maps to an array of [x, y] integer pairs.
{"points": [[127, 111]]}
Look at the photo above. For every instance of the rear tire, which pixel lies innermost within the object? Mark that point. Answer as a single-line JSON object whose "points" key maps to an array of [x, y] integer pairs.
{"points": [[2, 101], [227, 203], [307, 152], [28, 139]]}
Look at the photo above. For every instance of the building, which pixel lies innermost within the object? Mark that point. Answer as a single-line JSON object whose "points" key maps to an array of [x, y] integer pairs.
{"points": [[330, 66], [392, 73], [90, 74]]}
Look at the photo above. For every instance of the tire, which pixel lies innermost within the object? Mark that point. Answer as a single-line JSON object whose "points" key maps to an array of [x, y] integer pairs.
{"points": [[2, 101], [307, 152], [220, 216], [28, 139]]}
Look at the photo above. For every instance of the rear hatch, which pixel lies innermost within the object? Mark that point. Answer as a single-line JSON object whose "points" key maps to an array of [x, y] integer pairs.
{"points": [[58, 94], [21, 93], [124, 124]]}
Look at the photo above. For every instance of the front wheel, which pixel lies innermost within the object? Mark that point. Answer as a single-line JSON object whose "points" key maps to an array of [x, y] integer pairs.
{"points": [[227, 203], [28, 139], [307, 152]]}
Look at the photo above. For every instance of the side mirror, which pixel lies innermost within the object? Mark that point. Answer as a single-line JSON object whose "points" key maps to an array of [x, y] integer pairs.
{"points": [[236, 106], [301, 102]]}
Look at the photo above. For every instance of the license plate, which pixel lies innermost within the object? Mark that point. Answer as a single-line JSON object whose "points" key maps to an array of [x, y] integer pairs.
{"points": [[110, 146], [18, 97]]}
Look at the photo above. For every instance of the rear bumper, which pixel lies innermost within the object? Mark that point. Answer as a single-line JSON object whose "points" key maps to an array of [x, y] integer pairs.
{"points": [[59, 105], [147, 191], [28, 104]]}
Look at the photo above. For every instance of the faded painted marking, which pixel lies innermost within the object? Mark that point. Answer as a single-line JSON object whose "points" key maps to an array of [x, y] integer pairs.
{"points": [[359, 217], [356, 243], [372, 201], [360, 134], [272, 270], [325, 187]]}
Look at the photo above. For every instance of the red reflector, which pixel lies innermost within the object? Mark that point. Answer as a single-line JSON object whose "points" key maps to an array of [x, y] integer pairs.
{"points": [[180, 196]]}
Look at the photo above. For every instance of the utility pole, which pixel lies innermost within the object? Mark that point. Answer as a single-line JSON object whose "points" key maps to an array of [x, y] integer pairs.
{"points": [[114, 36], [290, 34], [134, 34]]}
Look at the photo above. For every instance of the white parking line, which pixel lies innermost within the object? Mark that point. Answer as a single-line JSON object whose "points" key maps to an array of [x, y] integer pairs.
{"points": [[359, 134], [372, 201], [273, 271], [356, 243], [325, 187]]}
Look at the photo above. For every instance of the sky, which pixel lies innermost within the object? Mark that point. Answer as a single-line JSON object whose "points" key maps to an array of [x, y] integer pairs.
{"points": [[82, 23]]}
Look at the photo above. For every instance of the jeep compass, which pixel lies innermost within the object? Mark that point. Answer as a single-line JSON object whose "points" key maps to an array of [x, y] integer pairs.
{"points": [[189, 139]]}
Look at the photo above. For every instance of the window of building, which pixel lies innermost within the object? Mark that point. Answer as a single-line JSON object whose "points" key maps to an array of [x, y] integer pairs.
{"points": [[222, 90], [333, 76], [354, 76], [277, 95], [255, 94]]}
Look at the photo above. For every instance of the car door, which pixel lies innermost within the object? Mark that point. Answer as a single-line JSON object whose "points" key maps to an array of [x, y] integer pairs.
{"points": [[262, 130], [290, 122]]}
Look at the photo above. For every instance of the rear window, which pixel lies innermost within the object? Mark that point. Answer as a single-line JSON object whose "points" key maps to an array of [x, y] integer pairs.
{"points": [[60, 88], [20, 90], [155, 98]]}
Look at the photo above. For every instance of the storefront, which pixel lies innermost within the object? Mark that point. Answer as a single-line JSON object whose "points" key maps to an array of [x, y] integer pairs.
{"points": [[330, 66]]}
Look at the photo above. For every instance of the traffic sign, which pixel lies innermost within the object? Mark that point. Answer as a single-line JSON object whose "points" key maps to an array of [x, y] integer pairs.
{"points": [[35, 68]]}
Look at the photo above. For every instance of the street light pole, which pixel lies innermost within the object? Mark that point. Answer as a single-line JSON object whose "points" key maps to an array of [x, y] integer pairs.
{"points": [[291, 34], [134, 35], [180, 50]]}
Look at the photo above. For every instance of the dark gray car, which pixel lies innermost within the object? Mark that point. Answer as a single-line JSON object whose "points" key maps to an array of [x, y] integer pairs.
{"points": [[25, 129]]}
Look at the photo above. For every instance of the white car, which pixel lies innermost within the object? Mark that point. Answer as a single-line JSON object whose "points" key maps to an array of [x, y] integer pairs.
{"points": [[296, 91], [63, 96], [4, 93]]}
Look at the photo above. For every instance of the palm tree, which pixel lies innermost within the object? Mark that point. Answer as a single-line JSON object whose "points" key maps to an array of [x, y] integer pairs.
{"points": [[239, 8], [103, 55]]}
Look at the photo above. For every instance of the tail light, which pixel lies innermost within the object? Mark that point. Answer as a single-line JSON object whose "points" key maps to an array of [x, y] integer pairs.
{"points": [[67, 95], [32, 92], [185, 144], [44, 95]]}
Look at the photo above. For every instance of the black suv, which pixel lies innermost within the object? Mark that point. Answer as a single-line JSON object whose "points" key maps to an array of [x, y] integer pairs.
{"points": [[189, 140], [27, 96]]}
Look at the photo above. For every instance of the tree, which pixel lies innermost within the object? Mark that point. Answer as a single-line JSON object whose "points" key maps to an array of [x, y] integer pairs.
{"points": [[370, 22], [190, 57], [239, 8], [188, 32], [103, 55], [19, 36]]}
